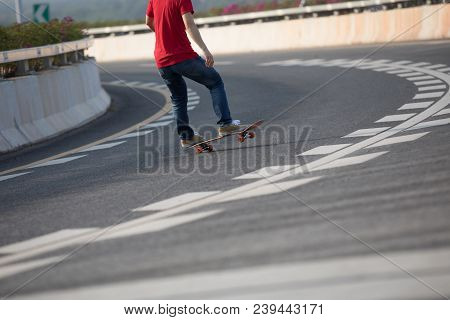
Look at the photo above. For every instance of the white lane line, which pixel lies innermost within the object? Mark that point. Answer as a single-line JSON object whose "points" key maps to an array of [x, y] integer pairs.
{"points": [[148, 84], [349, 161], [425, 83], [436, 66], [270, 189], [324, 150], [223, 63], [12, 176], [444, 70], [429, 95], [410, 74], [442, 112], [335, 62], [431, 88], [396, 117], [193, 93], [191, 108], [166, 118], [397, 71], [133, 135], [157, 124], [385, 69], [395, 140], [366, 132], [161, 87], [416, 105], [12, 269], [176, 201], [420, 78], [103, 146], [193, 103], [117, 82], [419, 64], [58, 161], [133, 83], [44, 240], [327, 278], [264, 172], [430, 124], [401, 62]]}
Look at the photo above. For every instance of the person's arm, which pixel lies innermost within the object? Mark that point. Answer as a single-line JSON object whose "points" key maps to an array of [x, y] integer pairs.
{"points": [[150, 22], [194, 33]]}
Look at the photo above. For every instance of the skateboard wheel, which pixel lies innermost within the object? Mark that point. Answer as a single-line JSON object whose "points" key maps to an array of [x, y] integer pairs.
{"points": [[198, 150], [241, 139], [251, 135]]}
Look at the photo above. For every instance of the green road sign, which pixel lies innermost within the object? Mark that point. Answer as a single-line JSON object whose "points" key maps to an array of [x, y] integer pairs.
{"points": [[41, 12]]}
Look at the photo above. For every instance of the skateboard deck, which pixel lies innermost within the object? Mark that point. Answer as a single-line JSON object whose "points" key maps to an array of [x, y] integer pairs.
{"points": [[242, 136]]}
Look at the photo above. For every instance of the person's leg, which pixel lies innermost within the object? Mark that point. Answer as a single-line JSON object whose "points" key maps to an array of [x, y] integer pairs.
{"points": [[195, 69], [178, 90]]}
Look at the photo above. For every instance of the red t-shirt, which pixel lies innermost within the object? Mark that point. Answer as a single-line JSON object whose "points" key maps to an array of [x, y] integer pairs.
{"points": [[172, 43]]}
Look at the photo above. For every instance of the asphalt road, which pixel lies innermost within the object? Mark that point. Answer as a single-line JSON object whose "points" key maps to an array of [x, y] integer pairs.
{"points": [[344, 193]]}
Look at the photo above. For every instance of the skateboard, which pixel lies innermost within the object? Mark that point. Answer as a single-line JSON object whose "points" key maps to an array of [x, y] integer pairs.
{"points": [[206, 146]]}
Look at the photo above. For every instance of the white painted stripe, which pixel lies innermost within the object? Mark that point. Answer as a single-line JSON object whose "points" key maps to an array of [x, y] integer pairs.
{"points": [[133, 83], [424, 83], [193, 98], [103, 146], [12, 269], [166, 118], [193, 103], [416, 105], [193, 93], [176, 201], [12, 176], [396, 117], [58, 161], [334, 62], [190, 90], [313, 62], [324, 150], [223, 63], [397, 71], [431, 88], [385, 69], [274, 188], [430, 124], [44, 240], [148, 84], [157, 124], [117, 82], [366, 132], [401, 62], [364, 276], [429, 95], [435, 66], [410, 74], [444, 70], [264, 172], [269, 64], [350, 161], [134, 135], [419, 64], [442, 112], [420, 78], [161, 87], [395, 140], [191, 108]]}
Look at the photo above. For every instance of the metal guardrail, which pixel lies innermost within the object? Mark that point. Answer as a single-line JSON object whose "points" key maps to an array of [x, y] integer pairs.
{"points": [[67, 52], [292, 13]]}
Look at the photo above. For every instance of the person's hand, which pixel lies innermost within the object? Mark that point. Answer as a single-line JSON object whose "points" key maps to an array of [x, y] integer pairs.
{"points": [[209, 59]]}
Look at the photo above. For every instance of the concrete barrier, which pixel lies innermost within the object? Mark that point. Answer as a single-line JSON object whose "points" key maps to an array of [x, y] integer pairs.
{"points": [[38, 107], [411, 24]]}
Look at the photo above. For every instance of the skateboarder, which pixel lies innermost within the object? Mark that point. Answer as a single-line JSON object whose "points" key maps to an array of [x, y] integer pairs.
{"points": [[175, 59]]}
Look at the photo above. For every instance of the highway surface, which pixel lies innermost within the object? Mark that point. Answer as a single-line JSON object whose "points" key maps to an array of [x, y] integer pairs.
{"points": [[344, 193]]}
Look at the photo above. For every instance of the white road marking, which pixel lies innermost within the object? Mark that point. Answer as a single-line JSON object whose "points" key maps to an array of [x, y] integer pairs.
{"points": [[395, 140], [193, 93], [12, 269], [431, 88], [157, 124], [148, 84], [436, 66], [429, 124], [223, 63], [335, 62], [429, 95], [416, 105], [420, 78], [269, 189], [419, 64], [44, 240], [444, 70], [134, 135], [385, 69], [322, 150], [264, 172], [442, 112], [12, 176], [193, 103], [133, 83], [58, 161], [350, 161], [397, 71], [366, 132], [161, 87], [396, 117], [424, 83], [193, 98], [176, 201], [166, 118], [410, 74], [103, 146], [117, 82]]}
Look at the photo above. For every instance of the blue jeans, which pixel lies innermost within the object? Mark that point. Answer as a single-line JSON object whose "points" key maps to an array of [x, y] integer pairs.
{"points": [[194, 69]]}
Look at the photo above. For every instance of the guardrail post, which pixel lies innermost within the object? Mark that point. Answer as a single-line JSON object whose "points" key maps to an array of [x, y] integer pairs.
{"points": [[48, 63], [64, 60], [22, 68]]}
